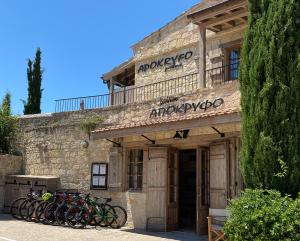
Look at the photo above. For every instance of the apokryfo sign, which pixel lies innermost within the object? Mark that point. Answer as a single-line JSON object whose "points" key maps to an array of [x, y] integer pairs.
{"points": [[186, 107], [169, 62]]}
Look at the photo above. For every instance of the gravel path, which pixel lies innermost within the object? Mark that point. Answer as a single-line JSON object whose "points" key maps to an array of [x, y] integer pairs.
{"points": [[13, 230]]}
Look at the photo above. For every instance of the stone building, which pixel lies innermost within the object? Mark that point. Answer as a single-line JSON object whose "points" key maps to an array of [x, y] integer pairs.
{"points": [[167, 136]]}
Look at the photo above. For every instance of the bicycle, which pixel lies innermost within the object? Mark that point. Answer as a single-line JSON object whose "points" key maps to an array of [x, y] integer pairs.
{"points": [[78, 216], [34, 211], [49, 211], [64, 207], [31, 196]]}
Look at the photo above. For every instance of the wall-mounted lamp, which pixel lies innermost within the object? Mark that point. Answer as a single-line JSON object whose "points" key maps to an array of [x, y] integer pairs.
{"points": [[177, 135], [182, 135], [84, 144]]}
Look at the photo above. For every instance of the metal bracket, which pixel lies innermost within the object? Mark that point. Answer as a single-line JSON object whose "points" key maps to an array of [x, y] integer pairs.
{"points": [[114, 142], [222, 134], [152, 141]]}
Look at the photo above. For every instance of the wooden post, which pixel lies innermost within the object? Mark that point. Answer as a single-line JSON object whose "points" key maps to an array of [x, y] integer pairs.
{"points": [[209, 228], [111, 91], [202, 56]]}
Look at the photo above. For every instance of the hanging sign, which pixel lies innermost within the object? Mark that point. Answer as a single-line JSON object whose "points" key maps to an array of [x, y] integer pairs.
{"points": [[186, 107], [168, 63]]}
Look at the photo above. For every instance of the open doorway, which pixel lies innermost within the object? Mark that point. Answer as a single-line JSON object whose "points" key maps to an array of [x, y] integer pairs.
{"points": [[187, 189]]}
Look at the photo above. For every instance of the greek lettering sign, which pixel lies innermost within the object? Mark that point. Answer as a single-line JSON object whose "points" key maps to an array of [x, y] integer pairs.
{"points": [[168, 63], [186, 107]]}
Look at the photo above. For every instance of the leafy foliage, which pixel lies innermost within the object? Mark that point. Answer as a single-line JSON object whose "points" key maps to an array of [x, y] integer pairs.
{"points": [[263, 215], [89, 124], [270, 96], [7, 125], [34, 77]]}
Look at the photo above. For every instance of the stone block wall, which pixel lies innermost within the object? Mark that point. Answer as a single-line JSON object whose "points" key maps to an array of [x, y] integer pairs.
{"points": [[181, 36], [52, 144], [9, 164]]}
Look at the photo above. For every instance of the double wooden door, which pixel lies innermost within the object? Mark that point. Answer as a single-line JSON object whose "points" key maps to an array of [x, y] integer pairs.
{"points": [[162, 191]]}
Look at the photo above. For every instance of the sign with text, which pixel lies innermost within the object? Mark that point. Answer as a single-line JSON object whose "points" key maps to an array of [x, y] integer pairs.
{"points": [[168, 62], [186, 107]]}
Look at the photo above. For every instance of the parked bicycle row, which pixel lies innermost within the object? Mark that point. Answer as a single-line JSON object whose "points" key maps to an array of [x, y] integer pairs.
{"points": [[76, 210]]}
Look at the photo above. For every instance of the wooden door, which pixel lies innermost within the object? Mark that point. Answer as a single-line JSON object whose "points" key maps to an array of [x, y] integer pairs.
{"points": [[172, 193], [156, 188], [202, 181], [219, 175]]}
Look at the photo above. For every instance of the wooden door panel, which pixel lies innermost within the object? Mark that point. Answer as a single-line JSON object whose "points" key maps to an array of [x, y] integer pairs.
{"points": [[172, 193], [218, 175], [156, 186], [202, 174]]}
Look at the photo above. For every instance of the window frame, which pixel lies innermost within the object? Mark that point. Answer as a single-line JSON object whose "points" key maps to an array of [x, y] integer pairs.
{"points": [[228, 64], [104, 187], [135, 174]]}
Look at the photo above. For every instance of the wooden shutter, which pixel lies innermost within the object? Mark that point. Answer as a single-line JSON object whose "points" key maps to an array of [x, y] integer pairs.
{"points": [[219, 175], [156, 187], [115, 169]]}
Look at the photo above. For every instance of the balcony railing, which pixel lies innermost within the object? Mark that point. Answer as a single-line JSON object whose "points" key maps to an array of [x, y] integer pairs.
{"points": [[133, 94], [223, 74], [82, 103]]}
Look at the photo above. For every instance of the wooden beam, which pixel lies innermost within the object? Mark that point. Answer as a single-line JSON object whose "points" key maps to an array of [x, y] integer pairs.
{"points": [[202, 56], [217, 9], [111, 91], [215, 28], [244, 19], [226, 18], [168, 126], [240, 27]]}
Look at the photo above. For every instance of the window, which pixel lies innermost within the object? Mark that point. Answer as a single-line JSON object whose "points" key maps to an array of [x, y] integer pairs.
{"points": [[135, 169], [233, 57], [99, 176]]}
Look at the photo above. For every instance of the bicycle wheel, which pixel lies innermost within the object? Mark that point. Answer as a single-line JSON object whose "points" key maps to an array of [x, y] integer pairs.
{"points": [[49, 213], [31, 214], [23, 208], [60, 214], [77, 217], [14, 207], [106, 217], [39, 211], [120, 217]]}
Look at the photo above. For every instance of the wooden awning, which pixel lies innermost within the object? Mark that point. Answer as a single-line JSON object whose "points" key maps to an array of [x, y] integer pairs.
{"points": [[176, 123], [222, 16]]}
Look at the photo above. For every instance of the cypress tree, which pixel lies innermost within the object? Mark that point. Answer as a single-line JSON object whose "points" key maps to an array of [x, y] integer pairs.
{"points": [[34, 77], [270, 96], [7, 124]]}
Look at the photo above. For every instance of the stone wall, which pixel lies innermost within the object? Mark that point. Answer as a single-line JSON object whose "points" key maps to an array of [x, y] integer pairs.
{"points": [[9, 164], [51, 144], [174, 39]]}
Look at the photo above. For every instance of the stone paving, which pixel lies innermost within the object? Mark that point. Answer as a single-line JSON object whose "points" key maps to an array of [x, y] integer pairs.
{"points": [[14, 230]]}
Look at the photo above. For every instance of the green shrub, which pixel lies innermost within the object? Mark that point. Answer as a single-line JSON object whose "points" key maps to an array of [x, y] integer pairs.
{"points": [[89, 124], [263, 215]]}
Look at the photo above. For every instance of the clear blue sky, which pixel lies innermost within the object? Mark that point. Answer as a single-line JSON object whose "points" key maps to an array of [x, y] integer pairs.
{"points": [[80, 40]]}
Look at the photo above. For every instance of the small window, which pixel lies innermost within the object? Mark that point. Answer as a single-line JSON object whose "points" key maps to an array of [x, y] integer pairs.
{"points": [[99, 176], [233, 59], [135, 170]]}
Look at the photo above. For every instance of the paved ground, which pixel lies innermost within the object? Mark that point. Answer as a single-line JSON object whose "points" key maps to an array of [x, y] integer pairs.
{"points": [[13, 230]]}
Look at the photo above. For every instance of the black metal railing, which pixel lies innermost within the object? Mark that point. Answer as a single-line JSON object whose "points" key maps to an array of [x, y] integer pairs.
{"points": [[223, 74], [81, 103], [133, 94]]}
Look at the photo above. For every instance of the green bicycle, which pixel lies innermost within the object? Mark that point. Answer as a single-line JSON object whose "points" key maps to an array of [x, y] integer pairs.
{"points": [[90, 211]]}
